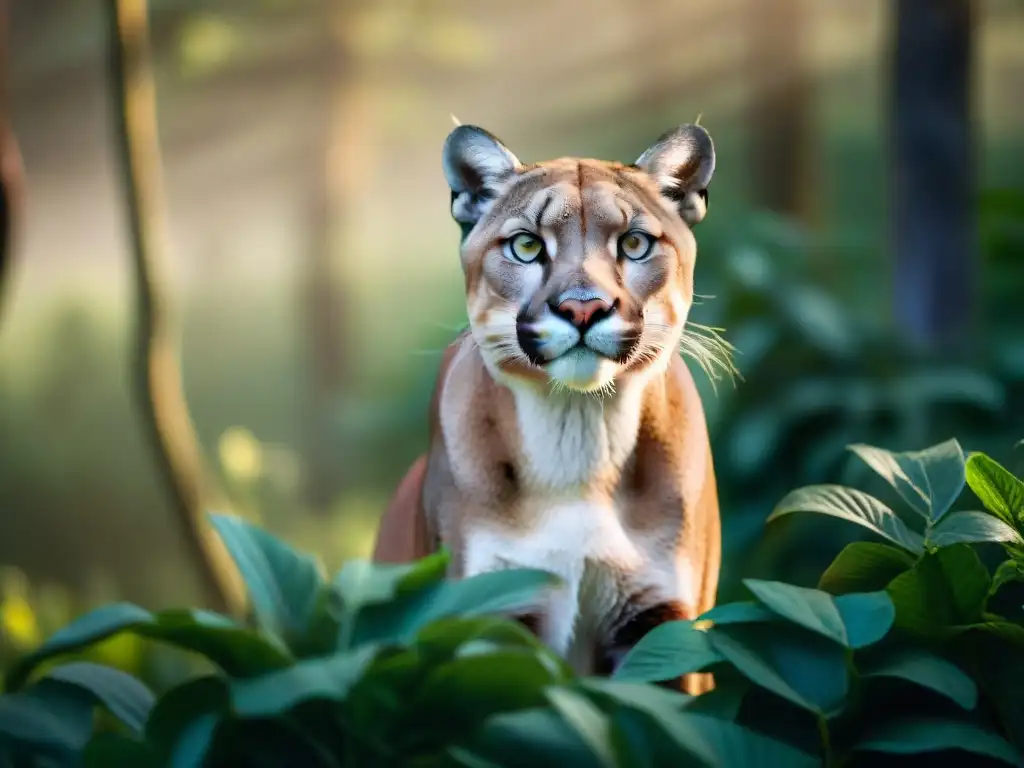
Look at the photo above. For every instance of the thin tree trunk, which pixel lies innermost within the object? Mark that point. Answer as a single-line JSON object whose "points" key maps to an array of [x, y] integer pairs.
{"points": [[158, 379], [932, 172], [780, 119]]}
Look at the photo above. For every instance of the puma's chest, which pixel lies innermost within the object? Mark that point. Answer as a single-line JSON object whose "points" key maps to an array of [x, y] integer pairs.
{"points": [[600, 560]]}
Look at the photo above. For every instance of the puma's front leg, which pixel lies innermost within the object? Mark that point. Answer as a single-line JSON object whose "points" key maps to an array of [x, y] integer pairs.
{"points": [[637, 619]]}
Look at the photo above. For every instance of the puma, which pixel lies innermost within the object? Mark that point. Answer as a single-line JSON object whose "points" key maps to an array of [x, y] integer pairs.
{"points": [[566, 432]]}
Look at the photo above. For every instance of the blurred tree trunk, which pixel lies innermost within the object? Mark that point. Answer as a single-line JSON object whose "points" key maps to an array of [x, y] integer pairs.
{"points": [[159, 387], [781, 110], [338, 165], [11, 172], [932, 172]]}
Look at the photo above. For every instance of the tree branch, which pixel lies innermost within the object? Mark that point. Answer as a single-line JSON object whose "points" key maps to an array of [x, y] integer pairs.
{"points": [[158, 380]]}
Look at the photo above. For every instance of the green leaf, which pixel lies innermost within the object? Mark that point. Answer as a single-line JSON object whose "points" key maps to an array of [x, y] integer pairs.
{"points": [[928, 671], [590, 723], [1008, 571], [864, 566], [669, 650], [113, 750], [468, 689], [727, 744], [944, 589], [172, 723], [971, 528], [283, 585], [855, 620], [494, 592], [715, 743], [636, 695], [802, 667], [328, 678], [238, 651], [930, 481], [362, 582], [87, 630], [1006, 631], [919, 735], [47, 716], [747, 612], [867, 616], [531, 738], [997, 488], [125, 697], [194, 742], [853, 506], [723, 702]]}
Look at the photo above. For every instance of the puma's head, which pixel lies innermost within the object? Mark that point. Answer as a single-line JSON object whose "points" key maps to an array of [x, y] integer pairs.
{"points": [[578, 272]]}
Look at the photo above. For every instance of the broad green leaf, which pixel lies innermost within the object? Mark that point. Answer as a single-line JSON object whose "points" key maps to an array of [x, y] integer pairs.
{"points": [[1006, 631], [747, 612], [723, 702], [803, 667], [47, 716], [669, 650], [639, 741], [238, 651], [853, 620], [531, 738], [944, 589], [179, 711], [361, 582], [714, 743], [444, 639], [589, 722], [998, 489], [495, 592], [853, 506], [999, 673], [636, 695], [327, 678], [113, 750], [487, 593], [194, 742], [728, 744], [283, 585], [867, 616], [927, 670], [920, 735], [1008, 571], [469, 689], [125, 697], [971, 528], [807, 607], [93, 627], [930, 481], [864, 566]]}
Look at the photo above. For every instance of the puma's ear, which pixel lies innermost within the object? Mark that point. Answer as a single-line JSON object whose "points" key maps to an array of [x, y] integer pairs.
{"points": [[682, 162], [475, 164]]}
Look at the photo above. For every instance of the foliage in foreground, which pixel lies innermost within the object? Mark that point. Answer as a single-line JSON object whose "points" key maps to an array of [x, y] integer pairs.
{"points": [[900, 650]]}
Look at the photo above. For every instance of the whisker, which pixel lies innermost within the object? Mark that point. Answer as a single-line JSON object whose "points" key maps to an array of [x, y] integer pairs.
{"points": [[705, 345]]}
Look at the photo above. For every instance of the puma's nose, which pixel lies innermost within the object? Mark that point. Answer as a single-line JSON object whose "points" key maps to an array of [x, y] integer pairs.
{"points": [[583, 314]]}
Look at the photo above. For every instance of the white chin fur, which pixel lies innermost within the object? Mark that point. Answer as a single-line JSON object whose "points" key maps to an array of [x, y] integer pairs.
{"points": [[582, 370]]}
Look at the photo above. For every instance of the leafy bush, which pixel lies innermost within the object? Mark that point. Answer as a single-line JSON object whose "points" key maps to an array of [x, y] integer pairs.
{"points": [[803, 313], [898, 651]]}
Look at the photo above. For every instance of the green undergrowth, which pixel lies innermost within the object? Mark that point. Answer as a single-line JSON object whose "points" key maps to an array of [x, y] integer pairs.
{"points": [[909, 649]]}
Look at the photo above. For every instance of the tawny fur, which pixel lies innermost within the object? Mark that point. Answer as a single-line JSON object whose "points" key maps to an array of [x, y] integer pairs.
{"points": [[603, 473]]}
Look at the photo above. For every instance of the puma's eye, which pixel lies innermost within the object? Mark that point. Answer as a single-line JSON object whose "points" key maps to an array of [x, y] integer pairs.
{"points": [[635, 245], [525, 247]]}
